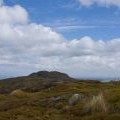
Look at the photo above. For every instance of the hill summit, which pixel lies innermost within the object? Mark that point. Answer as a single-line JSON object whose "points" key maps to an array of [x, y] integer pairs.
{"points": [[50, 74], [34, 82]]}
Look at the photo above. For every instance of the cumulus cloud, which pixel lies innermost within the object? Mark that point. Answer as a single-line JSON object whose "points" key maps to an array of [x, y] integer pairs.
{"points": [[13, 15], [26, 47], [100, 2]]}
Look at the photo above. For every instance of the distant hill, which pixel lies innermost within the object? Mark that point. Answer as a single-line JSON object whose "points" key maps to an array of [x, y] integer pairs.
{"points": [[38, 81], [51, 75], [34, 82]]}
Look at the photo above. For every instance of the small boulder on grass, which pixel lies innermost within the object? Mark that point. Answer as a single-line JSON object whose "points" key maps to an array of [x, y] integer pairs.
{"points": [[75, 99]]}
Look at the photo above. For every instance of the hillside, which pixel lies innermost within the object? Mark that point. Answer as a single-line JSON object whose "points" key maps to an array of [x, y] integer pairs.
{"points": [[34, 82], [54, 96]]}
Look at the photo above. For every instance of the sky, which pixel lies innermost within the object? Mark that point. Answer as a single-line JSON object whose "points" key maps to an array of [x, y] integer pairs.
{"points": [[78, 37]]}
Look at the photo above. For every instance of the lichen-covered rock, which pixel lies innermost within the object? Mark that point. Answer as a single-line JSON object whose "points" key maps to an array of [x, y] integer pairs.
{"points": [[75, 98]]}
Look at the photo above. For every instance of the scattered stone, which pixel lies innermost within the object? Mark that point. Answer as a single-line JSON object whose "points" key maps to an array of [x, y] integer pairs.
{"points": [[55, 99]]}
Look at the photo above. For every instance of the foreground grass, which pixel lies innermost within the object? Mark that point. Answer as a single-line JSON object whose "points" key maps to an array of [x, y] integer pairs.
{"points": [[40, 105]]}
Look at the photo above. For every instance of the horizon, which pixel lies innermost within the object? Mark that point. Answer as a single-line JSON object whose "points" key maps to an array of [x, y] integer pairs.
{"points": [[77, 78], [78, 37]]}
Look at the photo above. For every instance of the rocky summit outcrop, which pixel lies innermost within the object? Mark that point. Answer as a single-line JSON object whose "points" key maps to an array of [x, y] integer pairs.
{"points": [[52, 74]]}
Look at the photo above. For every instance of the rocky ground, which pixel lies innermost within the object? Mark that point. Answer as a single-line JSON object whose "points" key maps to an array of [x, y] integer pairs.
{"points": [[55, 96]]}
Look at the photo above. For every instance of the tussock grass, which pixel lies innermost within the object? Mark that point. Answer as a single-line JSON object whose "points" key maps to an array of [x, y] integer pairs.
{"points": [[18, 93], [96, 104]]}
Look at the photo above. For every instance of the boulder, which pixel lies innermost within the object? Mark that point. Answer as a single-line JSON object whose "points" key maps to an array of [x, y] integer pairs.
{"points": [[75, 98]]}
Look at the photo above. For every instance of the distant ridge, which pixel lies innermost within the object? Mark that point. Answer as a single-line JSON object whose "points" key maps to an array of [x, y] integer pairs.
{"points": [[50, 74], [35, 81]]}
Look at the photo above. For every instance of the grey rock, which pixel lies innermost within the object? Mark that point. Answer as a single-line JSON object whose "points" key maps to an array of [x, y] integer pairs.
{"points": [[55, 99], [75, 98]]}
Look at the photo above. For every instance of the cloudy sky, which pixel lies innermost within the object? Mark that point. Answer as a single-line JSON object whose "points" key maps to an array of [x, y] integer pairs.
{"points": [[79, 37]]}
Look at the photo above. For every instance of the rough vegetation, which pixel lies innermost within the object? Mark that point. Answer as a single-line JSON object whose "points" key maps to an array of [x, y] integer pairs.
{"points": [[96, 104], [55, 96]]}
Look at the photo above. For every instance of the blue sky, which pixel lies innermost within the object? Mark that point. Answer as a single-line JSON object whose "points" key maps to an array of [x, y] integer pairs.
{"points": [[78, 37], [73, 20]]}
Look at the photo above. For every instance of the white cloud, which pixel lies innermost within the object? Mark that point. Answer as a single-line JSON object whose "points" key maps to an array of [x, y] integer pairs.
{"points": [[100, 2], [30, 46], [86, 2], [15, 14]]}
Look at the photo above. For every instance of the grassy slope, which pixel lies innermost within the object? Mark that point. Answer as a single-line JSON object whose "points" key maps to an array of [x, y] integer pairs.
{"points": [[37, 104]]}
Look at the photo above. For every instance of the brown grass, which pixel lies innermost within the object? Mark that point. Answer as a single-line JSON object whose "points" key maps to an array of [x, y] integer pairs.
{"points": [[96, 104], [18, 93]]}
